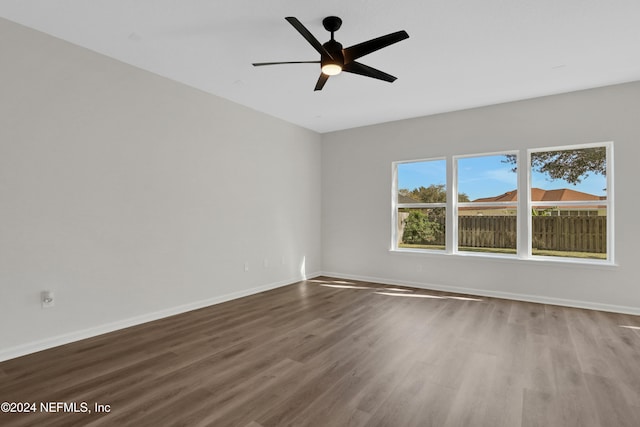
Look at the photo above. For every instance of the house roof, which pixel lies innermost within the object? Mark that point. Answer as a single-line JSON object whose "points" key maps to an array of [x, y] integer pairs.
{"points": [[537, 195], [540, 195], [406, 199]]}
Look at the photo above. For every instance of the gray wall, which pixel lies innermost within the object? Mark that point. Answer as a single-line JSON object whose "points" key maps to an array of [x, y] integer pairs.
{"points": [[356, 184], [133, 197]]}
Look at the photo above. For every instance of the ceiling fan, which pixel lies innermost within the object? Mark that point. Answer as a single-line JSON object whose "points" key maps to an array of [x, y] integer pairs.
{"points": [[334, 59]]}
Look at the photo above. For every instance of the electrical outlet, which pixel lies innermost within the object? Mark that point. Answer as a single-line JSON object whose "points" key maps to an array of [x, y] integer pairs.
{"points": [[46, 299], [246, 266], [265, 264]]}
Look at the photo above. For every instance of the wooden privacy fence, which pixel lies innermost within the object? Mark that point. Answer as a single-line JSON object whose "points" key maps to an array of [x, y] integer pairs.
{"points": [[557, 233], [487, 231], [570, 233]]}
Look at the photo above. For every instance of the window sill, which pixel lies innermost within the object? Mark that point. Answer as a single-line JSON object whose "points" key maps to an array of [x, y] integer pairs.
{"points": [[539, 260]]}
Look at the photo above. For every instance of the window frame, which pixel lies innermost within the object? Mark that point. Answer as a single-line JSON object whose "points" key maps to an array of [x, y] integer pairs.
{"points": [[523, 205], [608, 203], [457, 205], [418, 205]]}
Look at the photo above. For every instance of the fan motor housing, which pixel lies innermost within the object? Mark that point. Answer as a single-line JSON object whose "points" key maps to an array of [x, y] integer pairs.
{"points": [[335, 50]]}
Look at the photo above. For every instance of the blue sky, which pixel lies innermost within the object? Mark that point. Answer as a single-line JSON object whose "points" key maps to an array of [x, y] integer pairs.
{"points": [[486, 176]]}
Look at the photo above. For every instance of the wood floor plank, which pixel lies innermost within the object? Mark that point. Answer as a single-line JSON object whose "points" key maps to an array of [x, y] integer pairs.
{"points": [[339, 352], [612, 404], [403, 401], [470, 404]]}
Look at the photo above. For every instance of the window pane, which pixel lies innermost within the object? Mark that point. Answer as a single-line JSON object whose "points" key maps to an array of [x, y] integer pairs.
{"points": [[487, 179], [566, 175], [579, 234], [422, 182], [488, 229], [421, 228], [563, 230]]}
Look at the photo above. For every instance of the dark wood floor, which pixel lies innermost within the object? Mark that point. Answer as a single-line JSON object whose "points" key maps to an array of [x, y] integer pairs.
{"points": [[327, 352]]}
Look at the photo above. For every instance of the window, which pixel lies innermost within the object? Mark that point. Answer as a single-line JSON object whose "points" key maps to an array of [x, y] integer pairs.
{"points": [[552, 203], [569, 202], [421, 205], [487, 204]]}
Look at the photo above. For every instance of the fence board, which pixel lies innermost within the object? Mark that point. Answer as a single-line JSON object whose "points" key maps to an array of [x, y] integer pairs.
{"points": [[556, 233], [570, 233], [487, 231]]}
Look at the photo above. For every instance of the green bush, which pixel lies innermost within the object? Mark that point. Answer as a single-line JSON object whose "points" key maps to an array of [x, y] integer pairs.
{"points": [[418, 229]]}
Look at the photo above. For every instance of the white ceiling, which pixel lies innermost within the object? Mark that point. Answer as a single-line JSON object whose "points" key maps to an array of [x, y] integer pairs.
{"points": [[460, 54]]}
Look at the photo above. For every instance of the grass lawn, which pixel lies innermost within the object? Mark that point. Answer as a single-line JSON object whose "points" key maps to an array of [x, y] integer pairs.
{"points": [[540, 252], [590, 255], [433, 247]]}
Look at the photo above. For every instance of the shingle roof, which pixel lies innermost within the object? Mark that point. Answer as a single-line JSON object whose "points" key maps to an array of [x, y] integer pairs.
{"points": [[540, 195], [406, 199]]}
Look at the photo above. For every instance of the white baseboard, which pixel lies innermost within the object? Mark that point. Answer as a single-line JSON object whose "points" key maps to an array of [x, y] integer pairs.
{"points": [[495, 294], [58, 340], [32, 347]]}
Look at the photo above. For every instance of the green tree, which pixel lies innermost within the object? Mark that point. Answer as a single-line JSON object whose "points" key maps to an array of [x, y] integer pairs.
{"points": [[418, 229], [542, 212], [571, 165], [435, 193], [426, 226]]}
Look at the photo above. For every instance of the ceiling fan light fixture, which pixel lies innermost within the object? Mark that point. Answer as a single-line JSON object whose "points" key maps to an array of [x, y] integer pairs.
{"points": [[334, 59], [331, 69]]}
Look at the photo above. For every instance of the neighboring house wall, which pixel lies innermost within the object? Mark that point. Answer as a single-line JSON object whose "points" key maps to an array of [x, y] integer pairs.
{"points": [[356, 241], [551, 211], [538, 195]]}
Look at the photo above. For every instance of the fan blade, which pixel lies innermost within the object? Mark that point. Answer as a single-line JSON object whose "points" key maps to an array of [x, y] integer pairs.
{"points": [[361, 49], [259, 64], [308, 36], [364, 70], [321, 81]]}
